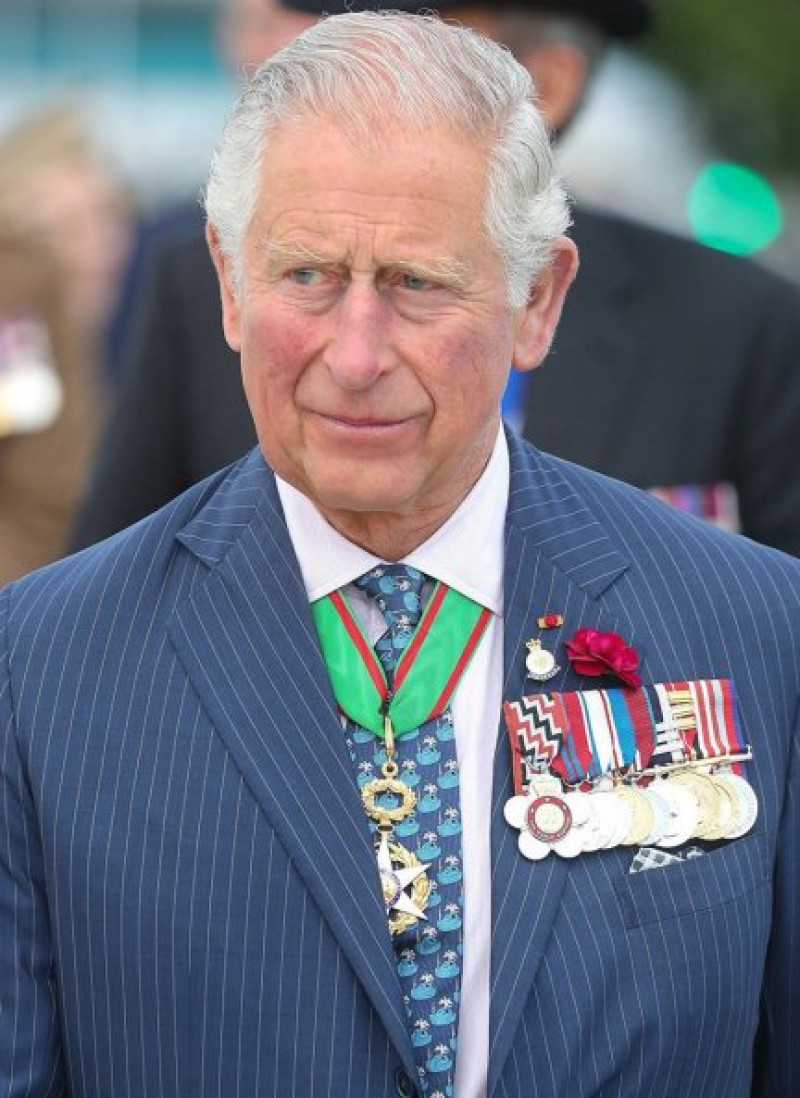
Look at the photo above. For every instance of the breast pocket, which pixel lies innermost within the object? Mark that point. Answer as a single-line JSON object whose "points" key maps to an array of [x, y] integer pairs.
{"points": [[724, 873]]}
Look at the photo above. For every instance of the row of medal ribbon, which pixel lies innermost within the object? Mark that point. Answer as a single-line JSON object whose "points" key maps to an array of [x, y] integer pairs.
{"points": [[656, 766]]}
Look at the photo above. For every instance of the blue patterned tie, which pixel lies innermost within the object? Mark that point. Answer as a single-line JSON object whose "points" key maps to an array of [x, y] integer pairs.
{"points": [[429, 954]]}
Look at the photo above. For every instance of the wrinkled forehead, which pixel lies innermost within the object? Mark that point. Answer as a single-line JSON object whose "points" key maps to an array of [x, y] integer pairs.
{"points": [[402, 194], [373, 133]]}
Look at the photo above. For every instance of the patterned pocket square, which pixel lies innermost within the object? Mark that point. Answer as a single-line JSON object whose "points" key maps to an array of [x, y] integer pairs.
{"points": [[648, 857]]}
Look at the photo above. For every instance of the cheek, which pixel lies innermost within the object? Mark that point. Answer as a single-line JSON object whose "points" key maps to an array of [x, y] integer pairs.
{"points": [[275, 351], [473, 370]]}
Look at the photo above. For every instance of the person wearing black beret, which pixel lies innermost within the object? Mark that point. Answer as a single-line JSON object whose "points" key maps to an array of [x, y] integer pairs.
{"points": [[674, 367], [617, 18]]}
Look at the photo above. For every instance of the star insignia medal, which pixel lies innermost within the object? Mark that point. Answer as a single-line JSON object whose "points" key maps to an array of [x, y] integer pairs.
{"points": [[399, 869]]}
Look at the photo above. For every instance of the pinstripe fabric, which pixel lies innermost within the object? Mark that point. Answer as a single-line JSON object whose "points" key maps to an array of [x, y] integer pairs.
{"points": [[185, 869]]}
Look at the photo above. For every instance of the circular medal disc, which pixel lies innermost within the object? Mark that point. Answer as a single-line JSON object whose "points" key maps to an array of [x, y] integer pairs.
{"points": [[549, 818], [748, 803], [683, 810], [592, 835], [581, 833], [727, 811], [613, 817], [541, 664], [642, 817], [708, 801], [661, 816], [602, 823]]}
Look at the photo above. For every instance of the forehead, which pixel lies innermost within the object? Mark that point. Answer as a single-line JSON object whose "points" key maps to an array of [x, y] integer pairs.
{"points": [[418, 187]]}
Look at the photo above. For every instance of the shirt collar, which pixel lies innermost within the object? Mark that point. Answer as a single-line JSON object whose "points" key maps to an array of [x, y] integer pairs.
{"points": [[465, 553]]}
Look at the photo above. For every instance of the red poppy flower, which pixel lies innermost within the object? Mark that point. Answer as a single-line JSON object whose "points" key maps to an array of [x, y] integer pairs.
{"points": [[594, 653]]}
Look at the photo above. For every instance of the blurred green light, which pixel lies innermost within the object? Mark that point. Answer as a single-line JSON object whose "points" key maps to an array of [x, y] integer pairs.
{"points": [[734, 209]]}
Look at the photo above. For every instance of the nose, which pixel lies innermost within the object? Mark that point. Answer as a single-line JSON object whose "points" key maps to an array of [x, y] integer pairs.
{"points": [[358, 352]]}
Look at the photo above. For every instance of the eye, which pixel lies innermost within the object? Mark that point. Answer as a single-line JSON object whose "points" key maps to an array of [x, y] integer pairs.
{"points": [[305, 276], [416, 282]]}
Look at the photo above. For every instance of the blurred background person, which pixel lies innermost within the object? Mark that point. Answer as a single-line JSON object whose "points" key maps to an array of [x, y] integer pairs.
{"points": [[675, 367], [65, 228], [246, 32], [48, 410]]}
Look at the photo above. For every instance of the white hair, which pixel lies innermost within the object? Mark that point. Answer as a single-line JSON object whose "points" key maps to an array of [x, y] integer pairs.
{"points": [[373, 70]]}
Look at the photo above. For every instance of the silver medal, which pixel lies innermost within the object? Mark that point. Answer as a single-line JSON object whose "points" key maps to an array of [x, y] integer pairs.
{"points": [[540, 663]]}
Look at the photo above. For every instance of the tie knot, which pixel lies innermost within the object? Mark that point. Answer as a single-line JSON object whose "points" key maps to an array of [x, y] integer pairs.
{"points": [[396, 590]]}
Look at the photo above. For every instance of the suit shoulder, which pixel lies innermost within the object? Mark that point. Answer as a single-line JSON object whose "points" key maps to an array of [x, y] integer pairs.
{"points": [[654, 249]]}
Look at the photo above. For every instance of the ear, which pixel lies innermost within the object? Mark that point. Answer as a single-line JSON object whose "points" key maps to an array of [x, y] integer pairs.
{"points": [[231, 312], [559, 72], [536, 322]]}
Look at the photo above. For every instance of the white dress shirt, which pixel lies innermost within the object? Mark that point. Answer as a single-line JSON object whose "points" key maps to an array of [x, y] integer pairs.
{"points": [[467, 554]]}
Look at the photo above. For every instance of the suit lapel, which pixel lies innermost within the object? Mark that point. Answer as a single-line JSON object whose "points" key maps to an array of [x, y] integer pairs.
{"points": [[547, 567], [247, 641]]}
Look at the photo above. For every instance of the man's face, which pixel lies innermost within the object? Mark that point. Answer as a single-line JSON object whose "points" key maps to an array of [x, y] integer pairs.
{"points": [[373, 322]]}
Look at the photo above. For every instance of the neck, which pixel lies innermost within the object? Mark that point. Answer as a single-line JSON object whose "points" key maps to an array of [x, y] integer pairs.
{"points": [[390, 537]]}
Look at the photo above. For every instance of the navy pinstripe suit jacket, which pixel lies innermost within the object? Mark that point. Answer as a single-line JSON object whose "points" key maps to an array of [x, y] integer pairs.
{"points": [[188, 898]]}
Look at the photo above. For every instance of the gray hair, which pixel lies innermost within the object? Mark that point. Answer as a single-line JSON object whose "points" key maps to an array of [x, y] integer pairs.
{"points": [[376, 68]]}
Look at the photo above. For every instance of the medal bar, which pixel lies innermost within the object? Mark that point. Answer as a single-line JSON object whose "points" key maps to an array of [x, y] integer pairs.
{"points": [[654, 767]]}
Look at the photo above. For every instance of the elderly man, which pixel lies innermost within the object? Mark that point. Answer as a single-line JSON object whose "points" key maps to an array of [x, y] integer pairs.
{"points": [[399, 758]]}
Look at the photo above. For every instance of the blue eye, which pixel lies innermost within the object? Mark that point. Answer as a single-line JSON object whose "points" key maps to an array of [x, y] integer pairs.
{"points": [[416, 282], [305, 276]]}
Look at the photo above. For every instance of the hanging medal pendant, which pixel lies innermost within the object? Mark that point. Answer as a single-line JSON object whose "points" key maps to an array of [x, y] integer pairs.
{"points": [[540, 663], [400, 871], [387, 801]]}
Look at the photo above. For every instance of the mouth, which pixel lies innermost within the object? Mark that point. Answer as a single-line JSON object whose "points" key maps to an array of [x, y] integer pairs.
{"points": [[366, 423]]}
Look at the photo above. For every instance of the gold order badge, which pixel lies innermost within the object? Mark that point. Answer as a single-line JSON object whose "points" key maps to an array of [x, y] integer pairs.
{"points": [[399, 868]]}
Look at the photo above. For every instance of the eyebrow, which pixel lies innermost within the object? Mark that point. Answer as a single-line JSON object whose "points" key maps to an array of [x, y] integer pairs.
{"points": [[291, 255], [448, 271]]}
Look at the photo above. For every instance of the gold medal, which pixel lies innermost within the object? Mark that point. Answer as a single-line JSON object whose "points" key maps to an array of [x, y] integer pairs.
{"points": [[707, 797], [641, 812], [399, 869], [396, 789], [747, 802]]}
